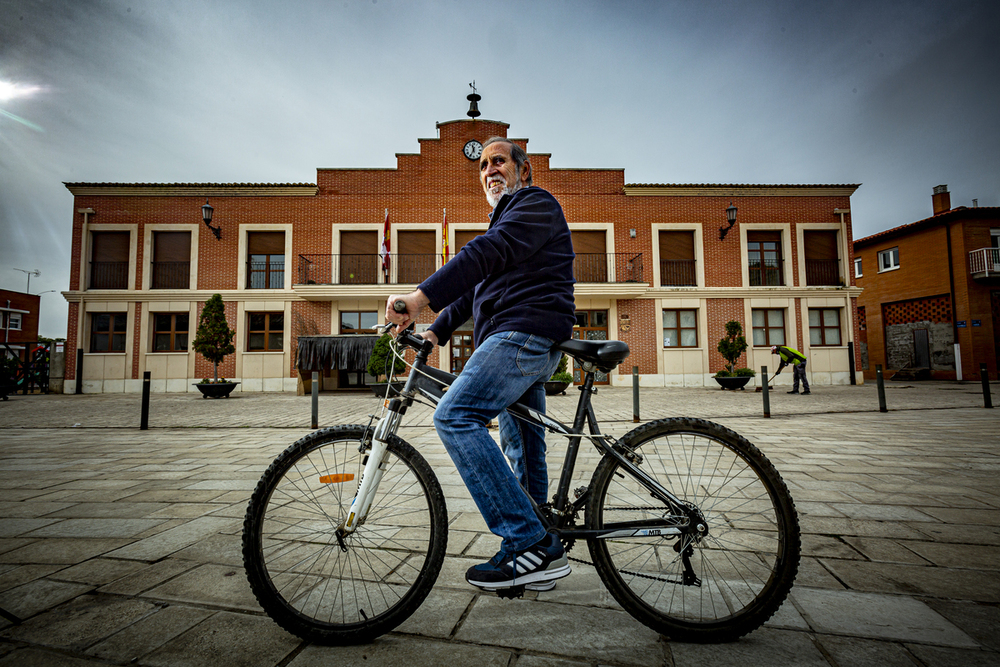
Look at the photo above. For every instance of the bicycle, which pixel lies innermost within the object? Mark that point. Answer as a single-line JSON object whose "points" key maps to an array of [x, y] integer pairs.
{"points": [[688, 524]]}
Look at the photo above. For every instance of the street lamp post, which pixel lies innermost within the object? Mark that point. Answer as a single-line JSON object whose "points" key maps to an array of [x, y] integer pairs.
{"points": [[33, 272]]}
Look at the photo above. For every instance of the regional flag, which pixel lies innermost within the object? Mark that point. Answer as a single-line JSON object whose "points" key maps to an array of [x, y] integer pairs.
{"points": [[384, 250], [444, 238]]}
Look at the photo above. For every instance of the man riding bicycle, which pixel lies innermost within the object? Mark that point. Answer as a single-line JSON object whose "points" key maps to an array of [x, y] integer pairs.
{"points": [[516, 282]]}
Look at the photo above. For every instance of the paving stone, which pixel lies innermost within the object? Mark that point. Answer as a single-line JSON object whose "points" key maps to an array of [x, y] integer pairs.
{"points": [[67, 551], [827, 546], [853, 651], [885, 551], [958, 534], [234, 640], [960, 556], [107, 528], [167, 542], [542, 661], [877, 616], [439, 614], [36, 596], [944, 657], [149, 633], [217, 585], [17, 527], [98, 571], [764, 646], [913, 580], [80, 622], [979, 621], [33, 657], [397, 651], [584, 632], [17, 575], [220, 549], [148, 577]]}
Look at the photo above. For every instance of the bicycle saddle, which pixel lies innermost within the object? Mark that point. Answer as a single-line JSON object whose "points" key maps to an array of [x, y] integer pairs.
{"points": [[603, 354]]}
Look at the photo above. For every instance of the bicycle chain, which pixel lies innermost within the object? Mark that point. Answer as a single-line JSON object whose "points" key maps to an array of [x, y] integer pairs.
{"points": [[629, 572]]}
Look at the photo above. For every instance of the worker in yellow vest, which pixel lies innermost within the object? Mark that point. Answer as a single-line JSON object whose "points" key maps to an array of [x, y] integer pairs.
{"points": [[797, 360]]}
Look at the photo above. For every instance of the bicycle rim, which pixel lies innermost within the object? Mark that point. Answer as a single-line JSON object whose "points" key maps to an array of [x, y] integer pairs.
{"points": [[744, 565], [331, 592]]}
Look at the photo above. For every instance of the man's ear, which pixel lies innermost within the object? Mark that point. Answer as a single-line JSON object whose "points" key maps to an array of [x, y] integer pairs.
{"points": [[526, 173]]}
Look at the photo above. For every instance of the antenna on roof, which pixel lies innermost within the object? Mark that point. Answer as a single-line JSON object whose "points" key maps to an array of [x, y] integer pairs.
{"points": [[473, 98]]}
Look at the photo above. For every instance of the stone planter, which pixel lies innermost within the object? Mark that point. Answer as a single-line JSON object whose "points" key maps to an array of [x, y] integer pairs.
{"points": [[732, 383], [216, 389], [552, 388]]}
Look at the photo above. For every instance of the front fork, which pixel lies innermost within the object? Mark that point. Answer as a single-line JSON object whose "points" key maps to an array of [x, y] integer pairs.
{"points": [[375, 464]]}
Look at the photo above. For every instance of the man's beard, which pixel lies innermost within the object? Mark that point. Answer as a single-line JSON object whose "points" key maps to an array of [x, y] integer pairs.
{"points": [[493, 196]]}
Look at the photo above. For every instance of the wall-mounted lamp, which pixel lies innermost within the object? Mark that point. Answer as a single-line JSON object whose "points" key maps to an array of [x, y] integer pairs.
{"points": [[206, 215], [631, 233], [731, 219]]}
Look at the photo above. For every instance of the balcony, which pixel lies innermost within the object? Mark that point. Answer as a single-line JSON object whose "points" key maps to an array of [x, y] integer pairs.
{"points": [[678, 273], [984, 264], [170, 275], [823, 273], [766, 273], [411, 269], [108, 275], [614, 267]]}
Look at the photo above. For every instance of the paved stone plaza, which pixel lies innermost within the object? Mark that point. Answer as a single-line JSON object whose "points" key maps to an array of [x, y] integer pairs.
{"points": [[120, 546]]}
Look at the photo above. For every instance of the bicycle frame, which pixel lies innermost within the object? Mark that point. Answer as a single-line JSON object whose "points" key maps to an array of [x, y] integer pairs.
{"points": [[431, 383]]}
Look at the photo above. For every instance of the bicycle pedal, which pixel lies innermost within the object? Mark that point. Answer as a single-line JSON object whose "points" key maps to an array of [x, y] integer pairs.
{"points": [[510, 593]]}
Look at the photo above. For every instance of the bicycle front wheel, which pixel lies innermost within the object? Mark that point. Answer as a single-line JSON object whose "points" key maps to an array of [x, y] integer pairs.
{"points": [[712, 587], [353, 589]]}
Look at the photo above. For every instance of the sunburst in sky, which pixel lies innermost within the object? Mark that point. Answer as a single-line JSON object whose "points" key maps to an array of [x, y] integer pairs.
{"points": [[11, 91]]}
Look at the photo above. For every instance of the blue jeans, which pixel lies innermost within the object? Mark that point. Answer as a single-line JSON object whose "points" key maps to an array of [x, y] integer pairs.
{"points": [[507, 367]]}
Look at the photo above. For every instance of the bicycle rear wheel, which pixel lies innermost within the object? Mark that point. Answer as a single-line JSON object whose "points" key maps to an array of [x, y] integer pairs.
{"points": [[711, 588], [334, 592]]}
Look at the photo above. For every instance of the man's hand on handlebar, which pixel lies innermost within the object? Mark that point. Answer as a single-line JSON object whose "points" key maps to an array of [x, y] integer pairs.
{"points": [[403, 309]]}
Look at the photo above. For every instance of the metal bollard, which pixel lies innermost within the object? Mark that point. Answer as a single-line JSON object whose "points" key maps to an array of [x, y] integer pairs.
{"points": [[144, 419], [767, 398], [635, 394], [984, 376], [315, 399], [881, 388]]}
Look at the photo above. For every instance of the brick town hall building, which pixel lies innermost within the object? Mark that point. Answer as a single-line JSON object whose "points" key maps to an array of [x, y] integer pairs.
{"points": [[657, 266]]}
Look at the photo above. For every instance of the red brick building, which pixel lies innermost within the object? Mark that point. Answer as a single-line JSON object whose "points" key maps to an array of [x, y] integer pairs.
{"points": [[932, 294], [653, 268], [18, 318]]}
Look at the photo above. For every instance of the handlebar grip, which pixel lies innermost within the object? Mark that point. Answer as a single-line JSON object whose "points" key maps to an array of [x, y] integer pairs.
{"points": [[399, 306]]}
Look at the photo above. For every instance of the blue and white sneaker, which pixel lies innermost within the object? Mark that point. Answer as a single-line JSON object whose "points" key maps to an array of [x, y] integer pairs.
{"points": [[535, 568]]}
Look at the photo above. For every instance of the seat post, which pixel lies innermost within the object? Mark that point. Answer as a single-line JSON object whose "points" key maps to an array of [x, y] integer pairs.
{"points": [[573, 447]]}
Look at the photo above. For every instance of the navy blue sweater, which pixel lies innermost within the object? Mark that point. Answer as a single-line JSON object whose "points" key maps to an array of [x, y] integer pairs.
{"points": [[518, 276]]}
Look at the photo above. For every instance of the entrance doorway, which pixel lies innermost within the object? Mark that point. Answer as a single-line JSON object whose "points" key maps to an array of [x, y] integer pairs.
{"points": [[921, 349], [590, 325]]}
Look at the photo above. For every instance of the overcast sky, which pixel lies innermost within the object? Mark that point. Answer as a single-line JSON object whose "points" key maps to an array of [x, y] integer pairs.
{"points": [[897, 96]]}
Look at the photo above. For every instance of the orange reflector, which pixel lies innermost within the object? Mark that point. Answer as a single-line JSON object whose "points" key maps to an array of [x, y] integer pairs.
{"points": [[336, 479]]}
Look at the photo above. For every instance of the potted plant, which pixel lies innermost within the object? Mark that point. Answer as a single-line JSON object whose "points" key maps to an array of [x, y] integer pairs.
{"points": [[560, 379], [731, 347], [379, 366], [214, 341]]}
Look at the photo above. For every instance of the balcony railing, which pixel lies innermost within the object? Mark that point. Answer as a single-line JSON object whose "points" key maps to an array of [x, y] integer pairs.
{"points": [[766, 273], [170, 275], [415, 268], [108, 275], [821, 272], [613, 267], [404, 268], [677, 273], [985, 261]]}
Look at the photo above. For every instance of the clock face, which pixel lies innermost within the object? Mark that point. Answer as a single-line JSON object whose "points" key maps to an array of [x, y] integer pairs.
{"points": [[473, 150]]}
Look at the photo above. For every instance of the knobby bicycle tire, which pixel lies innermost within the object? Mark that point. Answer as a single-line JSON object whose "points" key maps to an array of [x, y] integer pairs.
{"points": [[739, 573], [333, 593]]}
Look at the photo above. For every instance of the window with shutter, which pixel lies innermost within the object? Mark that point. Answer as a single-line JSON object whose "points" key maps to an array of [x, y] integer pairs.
{"points": [[677, 261], [266, 260]]}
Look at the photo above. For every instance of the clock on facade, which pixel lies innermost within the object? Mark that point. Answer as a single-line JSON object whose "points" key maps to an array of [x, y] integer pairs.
{"points": [[473, 149]]}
